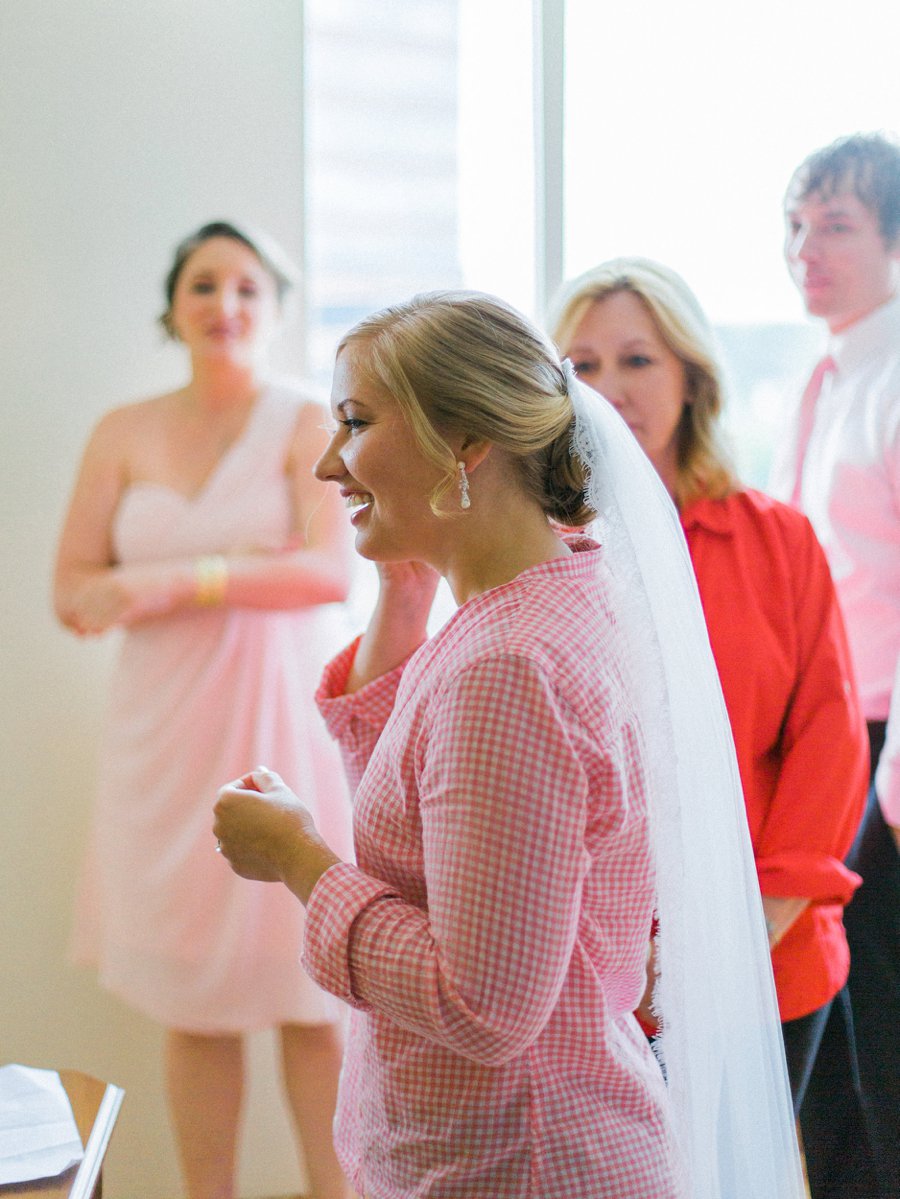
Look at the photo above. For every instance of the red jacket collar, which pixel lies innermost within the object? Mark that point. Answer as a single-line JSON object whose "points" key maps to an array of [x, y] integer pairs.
{"points": [[708, 514]]}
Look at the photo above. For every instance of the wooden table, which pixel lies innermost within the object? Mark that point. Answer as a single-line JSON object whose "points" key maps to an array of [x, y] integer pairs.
{"points": [[95, 1106]]}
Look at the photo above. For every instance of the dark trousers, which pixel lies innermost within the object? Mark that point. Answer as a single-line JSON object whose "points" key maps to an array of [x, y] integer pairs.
{"points": [[802, 1038], [850, 1116]]}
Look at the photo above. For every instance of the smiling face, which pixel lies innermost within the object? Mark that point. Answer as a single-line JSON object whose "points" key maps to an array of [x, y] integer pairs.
{"points": [[837, 255], [225, 304], [384, 476], [617, 349]]}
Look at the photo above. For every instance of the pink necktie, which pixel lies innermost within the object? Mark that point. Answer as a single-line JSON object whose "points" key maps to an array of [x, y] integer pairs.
{"points": [[807, 420]]}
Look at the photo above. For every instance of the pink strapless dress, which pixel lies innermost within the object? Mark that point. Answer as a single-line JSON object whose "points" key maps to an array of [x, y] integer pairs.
{"points": [[196, 700]]}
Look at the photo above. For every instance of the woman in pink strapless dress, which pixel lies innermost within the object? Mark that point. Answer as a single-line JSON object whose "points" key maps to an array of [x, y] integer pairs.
{"points": [[196, 526]]}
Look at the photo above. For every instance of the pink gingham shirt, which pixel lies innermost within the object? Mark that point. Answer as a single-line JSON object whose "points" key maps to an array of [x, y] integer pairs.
{"points": [[493, 934]]}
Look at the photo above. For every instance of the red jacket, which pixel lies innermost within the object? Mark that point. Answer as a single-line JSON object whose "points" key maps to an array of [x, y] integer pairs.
{"points": [[779, 643]]}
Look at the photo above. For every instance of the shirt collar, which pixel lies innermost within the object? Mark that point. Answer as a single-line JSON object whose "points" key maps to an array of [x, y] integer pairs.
{"points": [[853, 345], [708, 514]]}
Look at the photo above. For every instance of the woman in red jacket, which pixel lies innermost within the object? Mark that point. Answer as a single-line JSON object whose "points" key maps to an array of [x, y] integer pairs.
{"points": [[635, 332]]}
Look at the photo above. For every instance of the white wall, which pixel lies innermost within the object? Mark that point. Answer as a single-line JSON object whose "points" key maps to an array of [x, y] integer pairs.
{"points": [[123, 125]]}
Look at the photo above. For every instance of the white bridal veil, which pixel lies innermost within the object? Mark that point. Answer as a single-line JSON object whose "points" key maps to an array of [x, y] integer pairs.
{"points": [[721, 1040]]}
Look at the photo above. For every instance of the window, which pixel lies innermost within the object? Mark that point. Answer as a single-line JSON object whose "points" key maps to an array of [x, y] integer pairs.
{"points": [[419, 153], [683, 125], [382, 163], [419, 156]]}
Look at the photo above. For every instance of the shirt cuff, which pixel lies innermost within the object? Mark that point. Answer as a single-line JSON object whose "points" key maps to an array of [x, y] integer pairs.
{"points": [[814, 876], [371, 704], [338, 899]]}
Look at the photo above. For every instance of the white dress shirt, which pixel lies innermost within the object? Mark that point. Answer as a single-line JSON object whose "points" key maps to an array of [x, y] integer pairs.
{"points": [[887, 779], [850, 490]]}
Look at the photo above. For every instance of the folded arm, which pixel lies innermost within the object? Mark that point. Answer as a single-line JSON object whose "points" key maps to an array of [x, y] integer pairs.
{"points": [[93, 592]]}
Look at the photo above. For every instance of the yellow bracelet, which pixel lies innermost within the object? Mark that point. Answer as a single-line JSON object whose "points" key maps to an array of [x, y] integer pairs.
{"points": [[211, 575]]}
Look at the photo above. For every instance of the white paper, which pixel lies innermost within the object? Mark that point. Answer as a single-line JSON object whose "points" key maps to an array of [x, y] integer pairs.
{"points": [[38, 1134]]}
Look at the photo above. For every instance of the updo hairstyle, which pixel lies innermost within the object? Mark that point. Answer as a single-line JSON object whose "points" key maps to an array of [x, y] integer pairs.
{"points": [[469, 364]]}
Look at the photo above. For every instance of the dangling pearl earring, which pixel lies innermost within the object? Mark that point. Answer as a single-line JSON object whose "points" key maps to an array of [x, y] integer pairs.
{"points": [[464, 501]]}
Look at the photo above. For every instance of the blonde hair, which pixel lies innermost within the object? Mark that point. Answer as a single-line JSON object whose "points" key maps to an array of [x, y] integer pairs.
{"points": [[704, 464], [470, 364]]}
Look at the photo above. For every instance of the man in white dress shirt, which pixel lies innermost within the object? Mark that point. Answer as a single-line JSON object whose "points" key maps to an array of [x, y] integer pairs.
{"points": [[841, 465]]}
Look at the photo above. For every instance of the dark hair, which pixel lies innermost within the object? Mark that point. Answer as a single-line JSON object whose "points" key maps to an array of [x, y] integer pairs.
{"points": [[271, 256], [869, 163]]}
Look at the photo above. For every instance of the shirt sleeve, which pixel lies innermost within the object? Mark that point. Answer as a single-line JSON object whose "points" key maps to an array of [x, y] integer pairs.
{"points": [[887, 777], [355, 721], [503, 805], [892, 450], [822, 780]]}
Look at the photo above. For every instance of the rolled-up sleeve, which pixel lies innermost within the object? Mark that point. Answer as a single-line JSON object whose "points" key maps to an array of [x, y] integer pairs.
{"points": [[338, 900], [821, 786], [357, 720]]}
